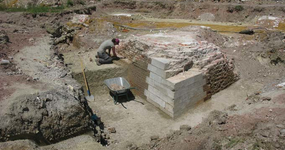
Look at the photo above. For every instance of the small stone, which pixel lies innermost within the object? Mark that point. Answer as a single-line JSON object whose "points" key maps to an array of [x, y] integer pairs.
{"points": [[28, 79], [4, 62], [103, 135], [265, 134], [63, 75], [233, 107], [31, 40], [257, 93], [185, 127], [131, 146], [282, 131], [265, 98], [112, 130], [280, 126], [277, 145], [49, 97], [154, 137]]}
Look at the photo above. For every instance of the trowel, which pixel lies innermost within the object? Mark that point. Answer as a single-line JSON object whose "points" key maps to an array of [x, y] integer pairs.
{"points": [[89, 97]]}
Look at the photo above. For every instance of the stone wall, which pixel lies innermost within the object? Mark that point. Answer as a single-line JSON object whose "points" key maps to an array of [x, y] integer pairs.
{"points": [[137, 70], [173, 94], [137, 75], [181, 69], [219, 74]]}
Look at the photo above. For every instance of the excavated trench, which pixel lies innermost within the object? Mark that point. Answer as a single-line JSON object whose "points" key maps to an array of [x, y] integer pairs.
{"points": [[135, 72]]}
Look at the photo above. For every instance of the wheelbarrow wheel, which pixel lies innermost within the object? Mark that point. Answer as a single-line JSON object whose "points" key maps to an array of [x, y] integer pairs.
{"points": [[115, 98]]}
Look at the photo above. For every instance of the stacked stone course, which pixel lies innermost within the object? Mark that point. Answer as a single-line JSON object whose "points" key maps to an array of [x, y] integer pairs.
{"points": [[219, 75], [137, 77], [178, 69]]}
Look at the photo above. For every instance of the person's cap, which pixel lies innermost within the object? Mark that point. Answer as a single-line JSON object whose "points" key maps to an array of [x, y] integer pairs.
{"points": [[117, 41]]}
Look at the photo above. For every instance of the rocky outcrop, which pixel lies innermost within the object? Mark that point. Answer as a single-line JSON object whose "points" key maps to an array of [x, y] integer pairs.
{"points": [[45, 118]]}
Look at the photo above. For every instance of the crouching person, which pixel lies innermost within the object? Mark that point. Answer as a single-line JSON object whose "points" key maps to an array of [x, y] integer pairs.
{"points": [[104, 57]]}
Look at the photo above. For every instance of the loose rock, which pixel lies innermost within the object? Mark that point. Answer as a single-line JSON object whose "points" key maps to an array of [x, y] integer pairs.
{"points": [[282, 132], [112, 130], [3, 37], [280, 126], [154, 137], [266, 98], [4, 62], [185, 127]]}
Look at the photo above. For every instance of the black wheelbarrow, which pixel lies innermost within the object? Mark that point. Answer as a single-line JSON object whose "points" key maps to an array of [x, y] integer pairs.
{"points": [[118, 87]]}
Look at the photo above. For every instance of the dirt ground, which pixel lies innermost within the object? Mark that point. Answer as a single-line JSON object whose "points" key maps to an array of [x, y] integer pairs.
{"points": [[246, 115]]}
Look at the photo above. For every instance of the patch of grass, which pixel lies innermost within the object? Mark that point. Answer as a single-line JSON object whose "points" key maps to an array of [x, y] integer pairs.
{"points": [[232, 143], [255, 146], [160, 4], [239, 8], [69, 3], [258, 9], [2, 7], [217, 145], [81, 2], [230, 10], [32, 9]]}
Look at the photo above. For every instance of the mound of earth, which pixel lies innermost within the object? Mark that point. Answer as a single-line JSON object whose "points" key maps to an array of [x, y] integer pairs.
{"points": [[45, 118]]}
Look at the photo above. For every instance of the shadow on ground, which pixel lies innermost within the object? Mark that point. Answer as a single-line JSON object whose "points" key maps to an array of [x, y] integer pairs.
{"points": [[124, 98]]}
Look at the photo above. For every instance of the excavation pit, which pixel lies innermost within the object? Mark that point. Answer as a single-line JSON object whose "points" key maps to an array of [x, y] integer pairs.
{"points": [[171, 70]]}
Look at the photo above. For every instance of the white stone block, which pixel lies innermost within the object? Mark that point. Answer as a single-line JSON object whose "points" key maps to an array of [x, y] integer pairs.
{"points": [[162, 63], [175, 94], [190, 102], [161, 80], [157, 71], [169, 113], [192, 88], [156, 99], [186, 78], [162, 88], [169, 108], [189, 96], [161, 95]]}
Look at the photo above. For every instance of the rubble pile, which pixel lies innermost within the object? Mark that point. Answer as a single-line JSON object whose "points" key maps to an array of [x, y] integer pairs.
{"points": [[60, 33], [182, 47]]}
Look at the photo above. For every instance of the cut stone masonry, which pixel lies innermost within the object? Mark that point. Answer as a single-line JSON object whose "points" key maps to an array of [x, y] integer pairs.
{"points": [[181, 70]]}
